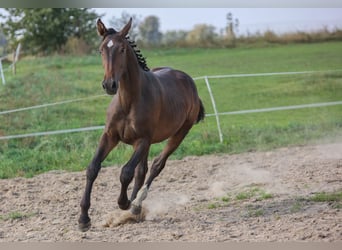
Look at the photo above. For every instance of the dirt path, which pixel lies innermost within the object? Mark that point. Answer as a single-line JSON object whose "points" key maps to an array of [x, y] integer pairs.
{"points": [[262, 196]]}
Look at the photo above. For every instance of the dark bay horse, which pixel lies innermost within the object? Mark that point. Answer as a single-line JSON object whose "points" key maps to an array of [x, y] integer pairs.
{"points": [[148, 106]]}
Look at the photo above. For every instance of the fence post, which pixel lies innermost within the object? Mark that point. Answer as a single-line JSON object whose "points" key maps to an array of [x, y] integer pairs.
{"points": [[215, 110], [2, 73], [16, 58]]}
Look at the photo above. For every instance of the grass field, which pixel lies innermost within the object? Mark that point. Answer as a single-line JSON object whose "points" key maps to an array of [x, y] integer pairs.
{"points": [[52, 79]]}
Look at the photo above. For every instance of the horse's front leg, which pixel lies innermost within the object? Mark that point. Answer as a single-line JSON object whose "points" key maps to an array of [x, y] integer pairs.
{"points": [[106, 144], [139, 156]]}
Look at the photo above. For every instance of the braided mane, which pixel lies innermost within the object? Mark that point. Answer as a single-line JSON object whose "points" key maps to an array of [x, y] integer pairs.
{"points": [[141, 59]]}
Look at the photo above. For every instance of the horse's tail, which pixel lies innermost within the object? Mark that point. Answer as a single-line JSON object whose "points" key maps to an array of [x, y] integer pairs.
{"points": [[201, 113]]}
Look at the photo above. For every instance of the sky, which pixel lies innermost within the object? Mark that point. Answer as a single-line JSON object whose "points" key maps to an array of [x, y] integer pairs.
{"points": [[251, 20]]}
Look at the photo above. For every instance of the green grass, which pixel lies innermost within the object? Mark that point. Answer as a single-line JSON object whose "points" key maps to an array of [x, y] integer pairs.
{"points": [[327, 197], [53, 79], [213, 205], [254, 192], [254, 212], [297, 205], [251, 192], [16, 216], [334, 199]]}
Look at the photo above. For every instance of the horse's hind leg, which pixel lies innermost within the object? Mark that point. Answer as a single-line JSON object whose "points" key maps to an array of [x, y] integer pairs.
{"points": [[127, 173], [139, 176], [105, 146], [139, 179], [157, 167]]}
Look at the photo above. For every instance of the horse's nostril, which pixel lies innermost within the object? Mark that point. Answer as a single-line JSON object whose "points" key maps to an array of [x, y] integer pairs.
{"points": [[103, 85], [114, 85]]}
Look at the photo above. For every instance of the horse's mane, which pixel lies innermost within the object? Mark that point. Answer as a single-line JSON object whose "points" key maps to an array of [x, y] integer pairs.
{"points": [[141, 59]]}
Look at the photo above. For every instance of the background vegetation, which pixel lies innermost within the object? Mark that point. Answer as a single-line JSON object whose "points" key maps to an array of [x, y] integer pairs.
{"points": [[73, 31]]}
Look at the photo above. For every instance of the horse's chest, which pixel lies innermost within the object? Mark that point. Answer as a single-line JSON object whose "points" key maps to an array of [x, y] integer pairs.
{"points": [[125, 128], [119, 123], [127, 131]]}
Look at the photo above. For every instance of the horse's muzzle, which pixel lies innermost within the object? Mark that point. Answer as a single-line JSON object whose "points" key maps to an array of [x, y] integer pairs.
{"points": [[111, 86]]}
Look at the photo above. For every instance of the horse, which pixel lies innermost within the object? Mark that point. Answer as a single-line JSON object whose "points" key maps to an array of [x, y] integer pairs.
{"points": [[148, 106]]}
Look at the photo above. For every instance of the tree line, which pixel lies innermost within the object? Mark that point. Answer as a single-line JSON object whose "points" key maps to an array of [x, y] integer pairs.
{"points": [[147, 33], [73, 31]]}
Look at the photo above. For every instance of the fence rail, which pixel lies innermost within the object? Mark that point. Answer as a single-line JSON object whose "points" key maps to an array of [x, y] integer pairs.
{"points": [[267, 74], [50, 104], [54, 132], [311, 105], [216, 114], [65, 131]]}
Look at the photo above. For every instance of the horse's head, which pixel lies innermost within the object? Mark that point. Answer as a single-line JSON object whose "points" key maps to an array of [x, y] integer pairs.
{"points": [[113, 50]]}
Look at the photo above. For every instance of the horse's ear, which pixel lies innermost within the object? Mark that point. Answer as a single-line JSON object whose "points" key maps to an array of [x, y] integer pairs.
{"points": [[101, 28], [123, 33]]}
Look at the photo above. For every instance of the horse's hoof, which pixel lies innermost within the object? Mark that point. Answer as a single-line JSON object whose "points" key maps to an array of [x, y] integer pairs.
{"points": [[84, 223], [83, 227], [136, 210], [125, 206]]}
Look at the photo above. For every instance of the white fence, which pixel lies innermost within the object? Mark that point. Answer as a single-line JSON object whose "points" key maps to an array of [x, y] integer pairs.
{"points": [[216, 114], [206, 79], [13, 65]]}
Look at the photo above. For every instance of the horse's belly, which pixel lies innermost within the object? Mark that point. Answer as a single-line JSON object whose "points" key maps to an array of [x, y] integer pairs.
{"points": [[166, 130]]}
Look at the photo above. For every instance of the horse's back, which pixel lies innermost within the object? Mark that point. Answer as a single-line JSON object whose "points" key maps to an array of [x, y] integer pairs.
{"points": [[174, 79], [178, 90]]}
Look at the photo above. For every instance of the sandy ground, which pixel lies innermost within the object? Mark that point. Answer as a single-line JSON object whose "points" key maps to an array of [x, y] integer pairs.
{"points": [[194, 199]]}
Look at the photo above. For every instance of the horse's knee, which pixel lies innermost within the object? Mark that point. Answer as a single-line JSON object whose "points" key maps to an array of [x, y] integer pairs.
{"points": [[92, 171], [126, 175]]}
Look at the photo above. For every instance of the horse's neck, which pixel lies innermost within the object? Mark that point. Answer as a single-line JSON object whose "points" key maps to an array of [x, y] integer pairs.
{"points": [[130, 86]]}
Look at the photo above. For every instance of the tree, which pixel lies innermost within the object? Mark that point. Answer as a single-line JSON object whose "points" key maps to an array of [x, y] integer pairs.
{"points": [[174, 38], [3, 43], [202, 35], [231, 29], [120, 22], [149, 31], [47, 30]]}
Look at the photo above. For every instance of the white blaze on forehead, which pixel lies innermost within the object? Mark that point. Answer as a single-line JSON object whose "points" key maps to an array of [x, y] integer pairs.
{"points": [[110, 44]]}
